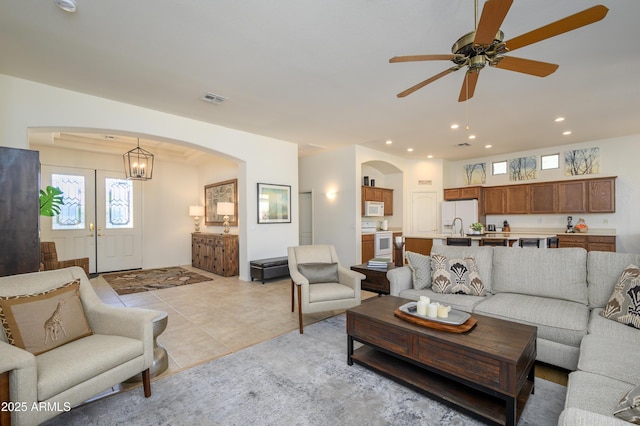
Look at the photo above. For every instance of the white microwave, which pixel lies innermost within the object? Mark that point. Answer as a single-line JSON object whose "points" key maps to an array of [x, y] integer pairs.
{"points": [[373, 208]]}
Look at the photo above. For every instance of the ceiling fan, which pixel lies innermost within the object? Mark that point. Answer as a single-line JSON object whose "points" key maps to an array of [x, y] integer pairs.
{"points": [[485, 46]]}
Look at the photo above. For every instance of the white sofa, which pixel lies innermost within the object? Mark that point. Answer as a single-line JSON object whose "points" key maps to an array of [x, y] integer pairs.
{"points": [[561, 291], [120, 347]]}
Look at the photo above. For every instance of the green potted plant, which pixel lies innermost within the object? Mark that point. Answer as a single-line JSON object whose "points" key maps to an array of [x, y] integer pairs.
{"points": [[477, 228], [51, 201]]}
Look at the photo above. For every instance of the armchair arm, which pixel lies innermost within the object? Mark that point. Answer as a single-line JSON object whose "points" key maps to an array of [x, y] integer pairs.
{"points": [[135, 323], [297, 277], [23, 373], [349, 277], [399, 279], [82, 262]]}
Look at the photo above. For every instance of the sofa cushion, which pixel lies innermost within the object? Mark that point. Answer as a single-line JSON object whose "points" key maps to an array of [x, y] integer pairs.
{"points": [[557, 320], [624, 304], [603, 271], [629, 406], [600, 326], [610, 357], [455, 276], [420, 266], [558, 274], [482, 255], [595, 393], [319, 272], [43, 321], [461, 302], [83, 359]]}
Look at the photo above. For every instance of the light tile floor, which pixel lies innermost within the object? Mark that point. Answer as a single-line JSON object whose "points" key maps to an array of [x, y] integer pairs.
{"points": [[211, 319]]}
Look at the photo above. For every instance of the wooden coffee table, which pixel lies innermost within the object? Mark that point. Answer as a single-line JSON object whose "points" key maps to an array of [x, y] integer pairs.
{"points": [[487, 372]]}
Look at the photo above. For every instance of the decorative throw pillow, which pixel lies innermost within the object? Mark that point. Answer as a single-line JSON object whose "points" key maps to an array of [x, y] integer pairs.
{"points": [[43, 321], [420, 266], [624, 303], [456, 276], [319, 272], [629, 406]]}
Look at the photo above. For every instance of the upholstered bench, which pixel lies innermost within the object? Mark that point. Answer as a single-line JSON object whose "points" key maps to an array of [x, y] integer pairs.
{"points": [[274, 267]]}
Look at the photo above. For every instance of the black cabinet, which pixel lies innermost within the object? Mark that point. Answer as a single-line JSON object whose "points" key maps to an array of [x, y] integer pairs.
{"points": [[19, 211]]}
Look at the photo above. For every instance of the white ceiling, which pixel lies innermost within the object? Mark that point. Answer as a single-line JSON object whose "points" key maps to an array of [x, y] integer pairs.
{"points": [[317, 72]]}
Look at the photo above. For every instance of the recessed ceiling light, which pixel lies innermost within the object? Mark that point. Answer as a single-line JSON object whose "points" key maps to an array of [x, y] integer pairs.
{"points": [[409, 149], [559, 119], [454, 126], [389, 142], [488, 146], [429, 156], [472, 136], [567, 133], [67, 5]]}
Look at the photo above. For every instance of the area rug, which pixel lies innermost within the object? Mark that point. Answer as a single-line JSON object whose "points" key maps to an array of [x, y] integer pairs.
{"points": [[152, 279], [291, 380]]}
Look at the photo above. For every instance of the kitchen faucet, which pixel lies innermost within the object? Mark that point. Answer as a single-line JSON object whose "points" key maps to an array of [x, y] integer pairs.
{"points": [[453, 227]]}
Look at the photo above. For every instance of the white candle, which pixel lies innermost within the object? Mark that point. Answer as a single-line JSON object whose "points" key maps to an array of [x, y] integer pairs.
{"points": [[422, 307], [432, 309]]}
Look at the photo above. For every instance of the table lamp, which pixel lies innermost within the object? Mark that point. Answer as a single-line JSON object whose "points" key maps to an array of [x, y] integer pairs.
{"points": [[225, 209], [196, 212]]}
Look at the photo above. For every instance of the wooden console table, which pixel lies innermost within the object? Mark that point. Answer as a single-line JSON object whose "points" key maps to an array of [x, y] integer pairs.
{"points": [[217, 253]]}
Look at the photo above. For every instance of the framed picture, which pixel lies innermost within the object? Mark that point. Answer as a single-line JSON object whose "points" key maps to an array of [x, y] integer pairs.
{"points": [[274, 203], [220, 192]]}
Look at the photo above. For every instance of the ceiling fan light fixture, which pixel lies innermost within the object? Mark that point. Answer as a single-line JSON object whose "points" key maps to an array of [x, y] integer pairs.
{"points": [[67, 5]]}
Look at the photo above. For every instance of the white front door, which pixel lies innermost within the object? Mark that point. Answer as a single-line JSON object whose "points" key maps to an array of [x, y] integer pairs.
{"points": [[100, 219], [424, 213]]}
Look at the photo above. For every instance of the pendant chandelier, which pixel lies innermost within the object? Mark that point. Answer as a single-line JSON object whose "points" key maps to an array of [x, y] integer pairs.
{"points": [[138, 163]]}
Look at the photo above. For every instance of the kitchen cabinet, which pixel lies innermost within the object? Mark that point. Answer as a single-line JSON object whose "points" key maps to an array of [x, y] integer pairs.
{"points": [[368, 248], [544, 198], [374, 193], [517, 199], [495, 200], [217, 253], [418, 245], [464, 193], [572, 197], [588, 242], [602, 195]]}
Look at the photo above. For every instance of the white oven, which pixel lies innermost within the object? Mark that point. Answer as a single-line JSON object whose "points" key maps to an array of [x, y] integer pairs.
{"points": [[383, 244]]}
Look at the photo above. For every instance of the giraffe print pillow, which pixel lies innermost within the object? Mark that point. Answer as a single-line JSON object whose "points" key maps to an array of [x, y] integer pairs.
{"points": [[43, 321]]}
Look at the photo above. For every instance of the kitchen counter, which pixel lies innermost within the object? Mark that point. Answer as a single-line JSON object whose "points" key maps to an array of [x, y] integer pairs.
{"points": [[521, 233]]}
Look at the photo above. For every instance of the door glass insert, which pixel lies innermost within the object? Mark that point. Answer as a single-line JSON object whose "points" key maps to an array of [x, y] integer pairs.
{"points": [[72, 213], [119, 203]]}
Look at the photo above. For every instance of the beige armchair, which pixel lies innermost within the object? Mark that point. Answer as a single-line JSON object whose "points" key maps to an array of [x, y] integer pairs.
{"points": [[120, 347], [322, 283]]}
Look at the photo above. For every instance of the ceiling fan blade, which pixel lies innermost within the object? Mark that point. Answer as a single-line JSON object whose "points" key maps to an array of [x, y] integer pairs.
{"points": [[413, 58], [469, 85], [526, 66], [412, 89], [493, 14], [570, 23]]}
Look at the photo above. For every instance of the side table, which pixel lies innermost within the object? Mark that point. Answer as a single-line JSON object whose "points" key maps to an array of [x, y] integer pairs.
{"points": [[160, 357], [376, 278]]}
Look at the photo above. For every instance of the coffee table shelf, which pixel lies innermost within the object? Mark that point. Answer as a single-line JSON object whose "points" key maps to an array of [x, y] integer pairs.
{"points": [[441, 388]]}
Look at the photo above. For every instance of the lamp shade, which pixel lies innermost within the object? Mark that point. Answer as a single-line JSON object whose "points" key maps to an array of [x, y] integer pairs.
{"points": [[196, 211], [225, 209]]}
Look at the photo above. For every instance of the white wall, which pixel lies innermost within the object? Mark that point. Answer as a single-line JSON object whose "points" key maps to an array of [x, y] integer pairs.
{"points": [[618, 157], [25, 105]]}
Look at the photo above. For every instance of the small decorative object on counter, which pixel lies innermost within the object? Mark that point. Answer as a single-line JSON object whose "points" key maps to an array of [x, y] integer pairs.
{"points": [[366, 181], [506, 227], [570, 229], [476, 228], [581, 226]]}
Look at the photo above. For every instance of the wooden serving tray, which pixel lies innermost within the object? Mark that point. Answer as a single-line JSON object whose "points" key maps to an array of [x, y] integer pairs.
{"points": [[462, 328]]}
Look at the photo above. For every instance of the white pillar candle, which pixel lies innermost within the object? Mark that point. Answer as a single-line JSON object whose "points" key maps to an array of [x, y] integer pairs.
{"points": [[422, 307], [432, 309]]}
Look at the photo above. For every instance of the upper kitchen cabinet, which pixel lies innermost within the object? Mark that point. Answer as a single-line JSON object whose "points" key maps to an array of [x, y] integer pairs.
{"points": [[495, 200], [464, 193], [572, 196], [602, 195], [544, 198], [518, 199], [375, 193]]}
